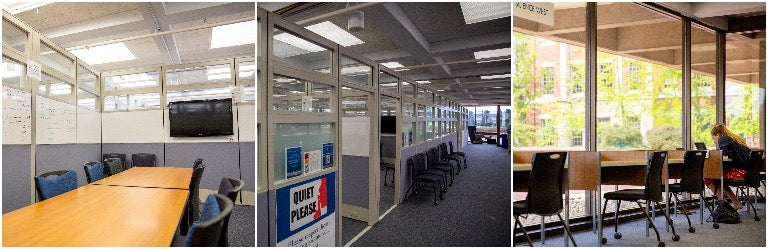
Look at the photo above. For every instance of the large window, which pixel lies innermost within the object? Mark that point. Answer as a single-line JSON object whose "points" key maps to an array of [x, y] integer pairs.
{"points": [[742, 91], [703, 106]]}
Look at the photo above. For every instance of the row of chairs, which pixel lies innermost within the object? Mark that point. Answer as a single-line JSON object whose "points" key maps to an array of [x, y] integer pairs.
{"points": [[207, 229], [435, 167], [545, 185], [137, 159]]}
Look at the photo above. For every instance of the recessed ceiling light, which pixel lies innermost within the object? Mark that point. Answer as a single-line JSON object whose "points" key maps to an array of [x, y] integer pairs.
{"points": [[334, 33], [15, 7], [107, 53], [497, 87], [493, 53], [423, 81], [440, 90], [475, 12], [393, 64], [233, 34], [498, 76], [287, 45]]}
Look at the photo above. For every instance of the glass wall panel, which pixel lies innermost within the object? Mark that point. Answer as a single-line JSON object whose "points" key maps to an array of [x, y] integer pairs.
{"points": [[61, 91], [294, 50], [409, 89], [387, 82], [200, 74], [12, 72], [305, 137], [408, 109], [199, 94], [742, 91], [246, 73], [354, 102], [85, 77], [290, 94], [14, 37], [55, 60], [355, 71], [703, 87], [407, 133], [86, 100], [131, 81], [639, 80]]}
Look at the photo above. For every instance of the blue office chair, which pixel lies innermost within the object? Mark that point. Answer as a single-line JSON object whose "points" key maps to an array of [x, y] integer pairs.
{"points": [[208, 231], [94, 171], [55, 183]]}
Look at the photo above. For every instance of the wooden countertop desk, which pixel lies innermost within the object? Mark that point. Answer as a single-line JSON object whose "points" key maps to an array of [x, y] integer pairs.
{"points": [[98, 215], [150, 177]]}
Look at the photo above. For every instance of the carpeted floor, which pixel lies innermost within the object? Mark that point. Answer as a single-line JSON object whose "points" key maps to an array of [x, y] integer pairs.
{"points": [[242, 228], [476, 210], [748, 233]]}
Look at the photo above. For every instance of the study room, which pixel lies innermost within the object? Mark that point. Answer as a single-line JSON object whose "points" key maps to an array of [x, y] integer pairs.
{"points": [[128, 124], [639, 124]]}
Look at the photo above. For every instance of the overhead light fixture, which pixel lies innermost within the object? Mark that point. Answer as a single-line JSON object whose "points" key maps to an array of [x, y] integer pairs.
{"points": [[486, 61], [475, 12], [287, 45], [233, 34], [334, 33], [498, 76], [392, 65], [14, 7], [493, 53], [423, 81], [440, 90], [107, 53], [356, 21]]}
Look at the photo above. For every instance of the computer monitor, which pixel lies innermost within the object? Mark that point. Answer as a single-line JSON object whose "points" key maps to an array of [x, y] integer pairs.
{"points": [[700, 146]]}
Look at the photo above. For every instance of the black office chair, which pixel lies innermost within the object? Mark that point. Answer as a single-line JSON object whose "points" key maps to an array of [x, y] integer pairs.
{"points": [[447, 157], [692, 181], [144, 160], [439, 167], [228, 187], [94, 171], [112, 166], [54, 183], [123, 159], [460, 153], [417, 166], [651, 193], [545, 187], [386, 166], [207, 232], [751, 179], [192, 210]]}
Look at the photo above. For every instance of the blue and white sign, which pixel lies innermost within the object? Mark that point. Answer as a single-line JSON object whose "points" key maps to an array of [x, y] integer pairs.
{"points": [[306, 213], [294, 163], [327, 155]]}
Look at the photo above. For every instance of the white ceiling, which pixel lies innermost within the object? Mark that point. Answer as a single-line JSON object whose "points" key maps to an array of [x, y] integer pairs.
{"points": [[73, 25], [416, 34]]}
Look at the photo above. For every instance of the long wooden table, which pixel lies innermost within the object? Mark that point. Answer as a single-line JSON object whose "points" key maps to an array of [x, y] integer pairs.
{"points": [[150, 177], [98, 215]]}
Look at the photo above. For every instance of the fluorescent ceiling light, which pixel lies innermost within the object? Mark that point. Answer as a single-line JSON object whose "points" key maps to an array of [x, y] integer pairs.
{"points": [[440, 90], [388, 84], [423, 81], [233, 34], [475, 12], [393, 64], [15, 7], [107, 53], [493, 53], [502, 59], [498, 76], [334, 33], [288, 45]]}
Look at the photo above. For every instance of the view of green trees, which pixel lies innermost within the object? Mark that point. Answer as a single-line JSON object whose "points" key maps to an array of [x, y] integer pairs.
{"points": [[640, 110]]}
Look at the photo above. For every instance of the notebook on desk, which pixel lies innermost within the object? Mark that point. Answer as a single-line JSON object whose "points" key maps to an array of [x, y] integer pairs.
{"points": [[700, 146]]}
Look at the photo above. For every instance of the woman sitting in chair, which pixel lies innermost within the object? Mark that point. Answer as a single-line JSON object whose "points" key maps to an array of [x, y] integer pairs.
{"points": [[734, 147]]}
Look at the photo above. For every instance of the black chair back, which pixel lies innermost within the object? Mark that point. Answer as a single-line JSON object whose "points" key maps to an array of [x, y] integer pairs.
{"points": [[228, 187], [432, 156], [752, 178], [144, 160], [122, 157], [693, 171], [208, 232], [194, 192], [197, 162], [112, 166], [545, 183], [443, 149], [416, 164], [653, 175], [450, 143]]}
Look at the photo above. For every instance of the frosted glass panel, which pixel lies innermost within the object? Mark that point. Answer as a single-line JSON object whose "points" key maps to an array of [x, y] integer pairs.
{"points": [[309, 137]]}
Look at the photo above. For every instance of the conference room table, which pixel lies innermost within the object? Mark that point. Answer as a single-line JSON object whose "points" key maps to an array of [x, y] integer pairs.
{"points": [[145, 212]]}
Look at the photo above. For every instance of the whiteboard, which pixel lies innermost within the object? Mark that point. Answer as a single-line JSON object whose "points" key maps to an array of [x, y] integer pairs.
{"points": [[17, 116], [88, 126], [56, 122], [133, 127]]}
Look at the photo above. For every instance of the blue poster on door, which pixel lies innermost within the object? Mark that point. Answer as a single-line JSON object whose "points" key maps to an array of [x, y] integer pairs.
{"points": [[294, 163], [306, 213], [327, 155]]}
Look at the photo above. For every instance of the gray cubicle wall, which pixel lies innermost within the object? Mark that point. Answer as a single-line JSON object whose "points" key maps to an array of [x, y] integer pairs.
{"points": [[53, 157], [133, 148], [16, 175], [355, 186], [248, 165], [221, 160], [262, 220]]}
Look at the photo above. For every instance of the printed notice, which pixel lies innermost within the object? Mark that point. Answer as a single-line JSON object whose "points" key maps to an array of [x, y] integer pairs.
{"points": [[306, 213], [293, 162], [33, 70]]}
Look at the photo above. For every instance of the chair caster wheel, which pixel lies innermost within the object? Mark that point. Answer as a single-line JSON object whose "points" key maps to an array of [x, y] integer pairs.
{"points": [[691, 230], [757, 218], [716, 226], [617, 235], [442, 198], [435, 203], [676, 238], [605, 241], [661, 244]]}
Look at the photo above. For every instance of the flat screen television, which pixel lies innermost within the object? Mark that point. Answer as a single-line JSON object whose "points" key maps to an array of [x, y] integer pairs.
{"points": [[201, 118], [389, 124]]}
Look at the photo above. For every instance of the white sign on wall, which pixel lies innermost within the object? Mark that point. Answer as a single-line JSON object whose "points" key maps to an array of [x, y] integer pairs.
{"points": [[537, 12], [33, 69]]}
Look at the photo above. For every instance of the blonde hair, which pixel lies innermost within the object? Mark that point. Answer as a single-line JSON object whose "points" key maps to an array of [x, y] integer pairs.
{"points": [[722, 130]]}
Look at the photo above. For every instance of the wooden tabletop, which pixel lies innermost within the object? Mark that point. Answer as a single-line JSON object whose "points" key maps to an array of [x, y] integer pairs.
{"points": [[150, 177], [98, 215], [527, 166]]}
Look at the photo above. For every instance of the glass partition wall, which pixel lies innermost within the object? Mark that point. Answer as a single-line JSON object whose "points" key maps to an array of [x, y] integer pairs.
{"points": [[312, 89]]}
